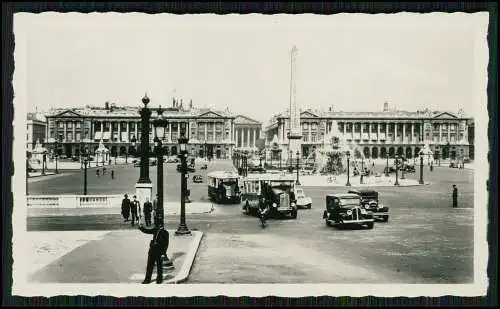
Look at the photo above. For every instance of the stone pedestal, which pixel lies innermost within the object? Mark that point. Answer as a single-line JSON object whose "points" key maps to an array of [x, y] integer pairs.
{"points": [[143, 191]]}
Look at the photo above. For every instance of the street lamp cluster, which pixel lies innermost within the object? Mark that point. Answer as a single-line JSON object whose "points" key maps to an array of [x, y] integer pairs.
{"points": [[159, 151]]}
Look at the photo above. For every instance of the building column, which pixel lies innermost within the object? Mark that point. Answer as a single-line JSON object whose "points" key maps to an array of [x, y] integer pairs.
{"points": [[136, 130], [74, 130], [370, 134], [378, 133], [404, 132], [449, 132], [386, 131], [119, 133], [412, 132], [440, 132], [254, 137], [65, 131]]}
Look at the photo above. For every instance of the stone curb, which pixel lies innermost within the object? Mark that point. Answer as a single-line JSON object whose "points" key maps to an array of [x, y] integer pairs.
{"points": [[46, 174], [367, 185], [189, 261]]}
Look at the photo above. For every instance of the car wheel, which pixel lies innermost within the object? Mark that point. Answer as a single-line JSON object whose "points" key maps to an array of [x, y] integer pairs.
{"points": [[328, 222], [385, 218], [246, 210], [294, 214], [370, 225], [308, 206]]}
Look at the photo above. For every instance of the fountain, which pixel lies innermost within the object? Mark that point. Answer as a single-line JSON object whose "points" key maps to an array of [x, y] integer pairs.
{"points": [[330, 168]]}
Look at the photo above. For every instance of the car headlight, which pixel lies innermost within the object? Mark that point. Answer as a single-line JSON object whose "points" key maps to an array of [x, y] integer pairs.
{"points": [[380, 206], [367, 206], [293, 204], [363, 211], [274, 205], [349, 212]]}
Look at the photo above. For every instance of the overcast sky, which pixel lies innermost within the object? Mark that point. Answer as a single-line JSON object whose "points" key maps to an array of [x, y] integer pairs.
{"points": [[350, 61]]}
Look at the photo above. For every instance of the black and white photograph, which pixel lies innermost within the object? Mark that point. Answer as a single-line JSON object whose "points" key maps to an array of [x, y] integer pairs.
{"points": [[250, 155]]}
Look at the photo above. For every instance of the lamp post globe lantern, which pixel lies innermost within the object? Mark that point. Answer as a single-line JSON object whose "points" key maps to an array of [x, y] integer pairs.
{"points": [[348, 154], [183, 140]]}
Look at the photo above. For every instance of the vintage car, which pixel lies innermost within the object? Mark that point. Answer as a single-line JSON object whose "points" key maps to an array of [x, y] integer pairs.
{"points": [[223, 187], [197, 179], [303, 201], [190, 169], [345, 209], [370, 201], [274, 191]]}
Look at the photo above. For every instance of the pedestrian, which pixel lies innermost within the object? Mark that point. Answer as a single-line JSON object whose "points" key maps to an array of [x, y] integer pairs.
{"points": [[97, 173], [112, 174], [156, 208], [455, 196], [157, 250], [104, 171], [432, 167], [126, 208], [148, 208], [134, 206]]}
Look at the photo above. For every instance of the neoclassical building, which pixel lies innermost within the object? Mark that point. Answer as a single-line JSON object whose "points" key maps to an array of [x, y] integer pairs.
{"points": [[378, 134], [246, 132], [210, 132], [36, 126]]}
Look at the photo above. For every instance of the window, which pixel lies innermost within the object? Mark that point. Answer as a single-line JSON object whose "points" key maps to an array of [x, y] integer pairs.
{"points": [[70, 136], [78, 124], [70, 124], [306, 125], [60, 125], [132, 126], [78, 136], [314, 126]]}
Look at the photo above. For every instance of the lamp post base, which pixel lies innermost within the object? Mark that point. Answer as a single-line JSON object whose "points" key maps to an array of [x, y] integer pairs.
{"points": [[182, 230], [143, 191]]}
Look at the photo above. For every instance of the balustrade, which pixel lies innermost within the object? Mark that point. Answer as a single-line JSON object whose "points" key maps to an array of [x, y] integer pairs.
{"points": [[74, 201]]}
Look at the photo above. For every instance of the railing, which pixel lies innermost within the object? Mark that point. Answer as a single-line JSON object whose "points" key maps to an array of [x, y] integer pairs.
{"points": [[73, 201]]}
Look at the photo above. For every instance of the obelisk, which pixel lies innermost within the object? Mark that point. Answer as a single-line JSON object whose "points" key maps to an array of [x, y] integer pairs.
{"points": [[295, 134]]}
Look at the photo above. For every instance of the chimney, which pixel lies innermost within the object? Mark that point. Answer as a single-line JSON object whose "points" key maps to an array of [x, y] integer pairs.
{"points": [[386, 107], [106, 105]]}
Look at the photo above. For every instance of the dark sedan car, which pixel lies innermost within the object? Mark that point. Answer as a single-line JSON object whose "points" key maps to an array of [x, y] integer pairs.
{"points": [[345, 209], [197, 179], [370, 202], [190, 169]]}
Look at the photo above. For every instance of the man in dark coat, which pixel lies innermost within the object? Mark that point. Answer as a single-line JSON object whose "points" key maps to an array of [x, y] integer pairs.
{"points": [[134, 206], [126, 208], [148, 208], [157, 249], [455, 196]]}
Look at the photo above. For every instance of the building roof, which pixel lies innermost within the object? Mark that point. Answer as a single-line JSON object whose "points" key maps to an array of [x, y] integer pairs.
{"points": [[241, 119], [133, 112], [36, 117]]}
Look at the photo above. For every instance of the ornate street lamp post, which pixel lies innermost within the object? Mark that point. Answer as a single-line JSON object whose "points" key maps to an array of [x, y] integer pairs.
{"points": [[161, 122], [396, 183], [402, 168], [387, 165], [44, 162], [298, 158], [421, 180], [183, 140], [348, 154], [86, 162], [281, 159], [362, 171], [57, 153], [144, 185]]}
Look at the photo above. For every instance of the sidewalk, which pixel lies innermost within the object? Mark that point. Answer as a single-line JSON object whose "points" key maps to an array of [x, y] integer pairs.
{"points": [[170, 208], [39, 174], [119, 257]]}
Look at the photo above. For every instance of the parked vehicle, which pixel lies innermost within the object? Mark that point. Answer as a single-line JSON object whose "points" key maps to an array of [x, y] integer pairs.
{"points": [[303, 201], [273, 191], [190, 169], [197, 179], [370, 201], [345, 209], [223, 187]]}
